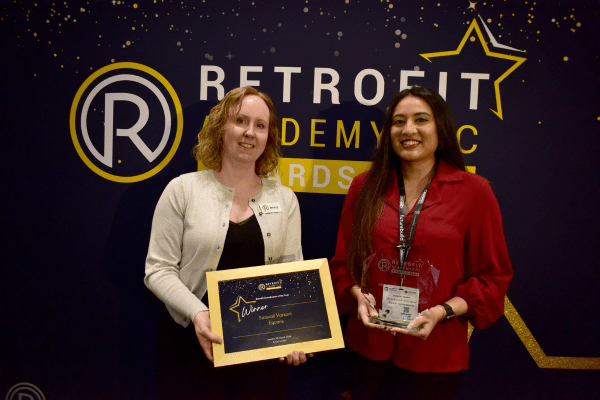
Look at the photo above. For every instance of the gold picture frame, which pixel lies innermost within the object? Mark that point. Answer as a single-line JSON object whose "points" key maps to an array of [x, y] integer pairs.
{"points": [[253, 325]]}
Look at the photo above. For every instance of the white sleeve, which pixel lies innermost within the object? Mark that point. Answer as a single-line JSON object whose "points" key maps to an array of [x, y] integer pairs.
{"points": [[163, 262]]}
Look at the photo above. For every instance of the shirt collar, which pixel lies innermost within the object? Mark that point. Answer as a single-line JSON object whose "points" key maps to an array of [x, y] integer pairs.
{"points": [[445, 173]]}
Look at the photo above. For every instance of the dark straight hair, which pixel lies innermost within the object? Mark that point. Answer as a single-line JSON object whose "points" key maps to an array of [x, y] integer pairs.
{"points": [[370, 200]]}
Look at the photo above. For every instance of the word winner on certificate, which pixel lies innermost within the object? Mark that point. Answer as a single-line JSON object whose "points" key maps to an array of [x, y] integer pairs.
{"points": [[272, 310]]}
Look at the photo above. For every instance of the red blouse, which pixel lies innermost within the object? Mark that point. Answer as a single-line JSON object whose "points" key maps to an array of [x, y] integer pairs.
{"points": [[461, 228]]}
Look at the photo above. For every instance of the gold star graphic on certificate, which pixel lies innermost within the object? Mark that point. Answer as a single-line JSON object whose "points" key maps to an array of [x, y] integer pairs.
{"points": [[237, 304], [475, 27]]}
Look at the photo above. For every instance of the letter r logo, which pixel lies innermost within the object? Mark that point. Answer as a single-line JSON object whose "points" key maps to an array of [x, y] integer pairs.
{"points": [[126, 114]]}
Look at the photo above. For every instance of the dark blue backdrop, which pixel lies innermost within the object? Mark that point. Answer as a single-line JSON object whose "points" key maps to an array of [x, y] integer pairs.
{"points": [[77, 321]]}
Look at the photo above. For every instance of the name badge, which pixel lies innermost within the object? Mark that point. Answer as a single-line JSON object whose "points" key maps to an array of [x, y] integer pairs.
{"points": [[270, 208], [399, 303]]}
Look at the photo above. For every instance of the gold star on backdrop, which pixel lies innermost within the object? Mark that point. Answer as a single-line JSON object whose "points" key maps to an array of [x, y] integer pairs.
{"points": [[475, 27]]}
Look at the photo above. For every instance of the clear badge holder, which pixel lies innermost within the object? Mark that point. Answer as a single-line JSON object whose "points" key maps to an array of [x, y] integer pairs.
{"points": [[401, 294]]}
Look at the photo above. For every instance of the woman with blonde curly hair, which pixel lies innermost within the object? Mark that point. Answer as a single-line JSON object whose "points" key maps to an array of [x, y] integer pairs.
{"points": [[212, 220], [210, 147]]}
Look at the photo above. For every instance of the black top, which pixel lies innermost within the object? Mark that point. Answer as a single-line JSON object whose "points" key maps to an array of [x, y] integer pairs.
{"points": [[244, 247]]}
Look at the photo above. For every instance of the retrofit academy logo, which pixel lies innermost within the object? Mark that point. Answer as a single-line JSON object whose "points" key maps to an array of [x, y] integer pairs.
{"points": [[126, 122]]}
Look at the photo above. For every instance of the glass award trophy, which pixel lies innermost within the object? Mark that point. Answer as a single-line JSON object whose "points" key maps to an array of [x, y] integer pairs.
{"points": [[400, 277], [409, 289]]}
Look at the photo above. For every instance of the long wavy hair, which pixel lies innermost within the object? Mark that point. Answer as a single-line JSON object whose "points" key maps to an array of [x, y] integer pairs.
{"points": [[210, 148], [370, 200]]}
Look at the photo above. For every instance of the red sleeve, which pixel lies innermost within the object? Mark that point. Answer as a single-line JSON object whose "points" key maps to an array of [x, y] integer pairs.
{"points": [[488, 271], [342, 281]]}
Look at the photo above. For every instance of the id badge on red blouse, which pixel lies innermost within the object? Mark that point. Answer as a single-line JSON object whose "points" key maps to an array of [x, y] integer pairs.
{"points": [[401, 294], [399, 303]]}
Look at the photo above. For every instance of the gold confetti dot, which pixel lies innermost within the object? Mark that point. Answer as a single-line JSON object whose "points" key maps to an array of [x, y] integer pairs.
{"points": [[34, 34], [305, 9], [489, 20], [133, 28], [579, 24], [391, 6], [128, 43], [472, 38], [403, 36], [135, 6], [397, 45], [566, 58]]}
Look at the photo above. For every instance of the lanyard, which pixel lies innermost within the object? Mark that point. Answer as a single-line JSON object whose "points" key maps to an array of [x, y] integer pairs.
{"points": [[404, 241]]}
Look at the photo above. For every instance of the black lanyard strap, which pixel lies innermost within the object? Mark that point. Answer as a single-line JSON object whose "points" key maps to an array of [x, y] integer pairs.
{"points": [[404, 241]]}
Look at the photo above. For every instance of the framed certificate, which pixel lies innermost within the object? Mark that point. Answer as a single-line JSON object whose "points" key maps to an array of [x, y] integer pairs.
{"points": [[269, 311]]}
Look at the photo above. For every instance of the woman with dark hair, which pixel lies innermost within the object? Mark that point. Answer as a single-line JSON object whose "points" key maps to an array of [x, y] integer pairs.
{"points": [[418, 224], [212, 220]]}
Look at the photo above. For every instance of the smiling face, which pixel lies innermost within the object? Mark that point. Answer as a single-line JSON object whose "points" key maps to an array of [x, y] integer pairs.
{"points": [[246, 132], [413, 131]]}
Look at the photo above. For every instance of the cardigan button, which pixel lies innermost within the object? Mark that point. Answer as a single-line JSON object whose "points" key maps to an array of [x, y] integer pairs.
{"points": [[253, 200], [270, 258], [268, 234]]}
